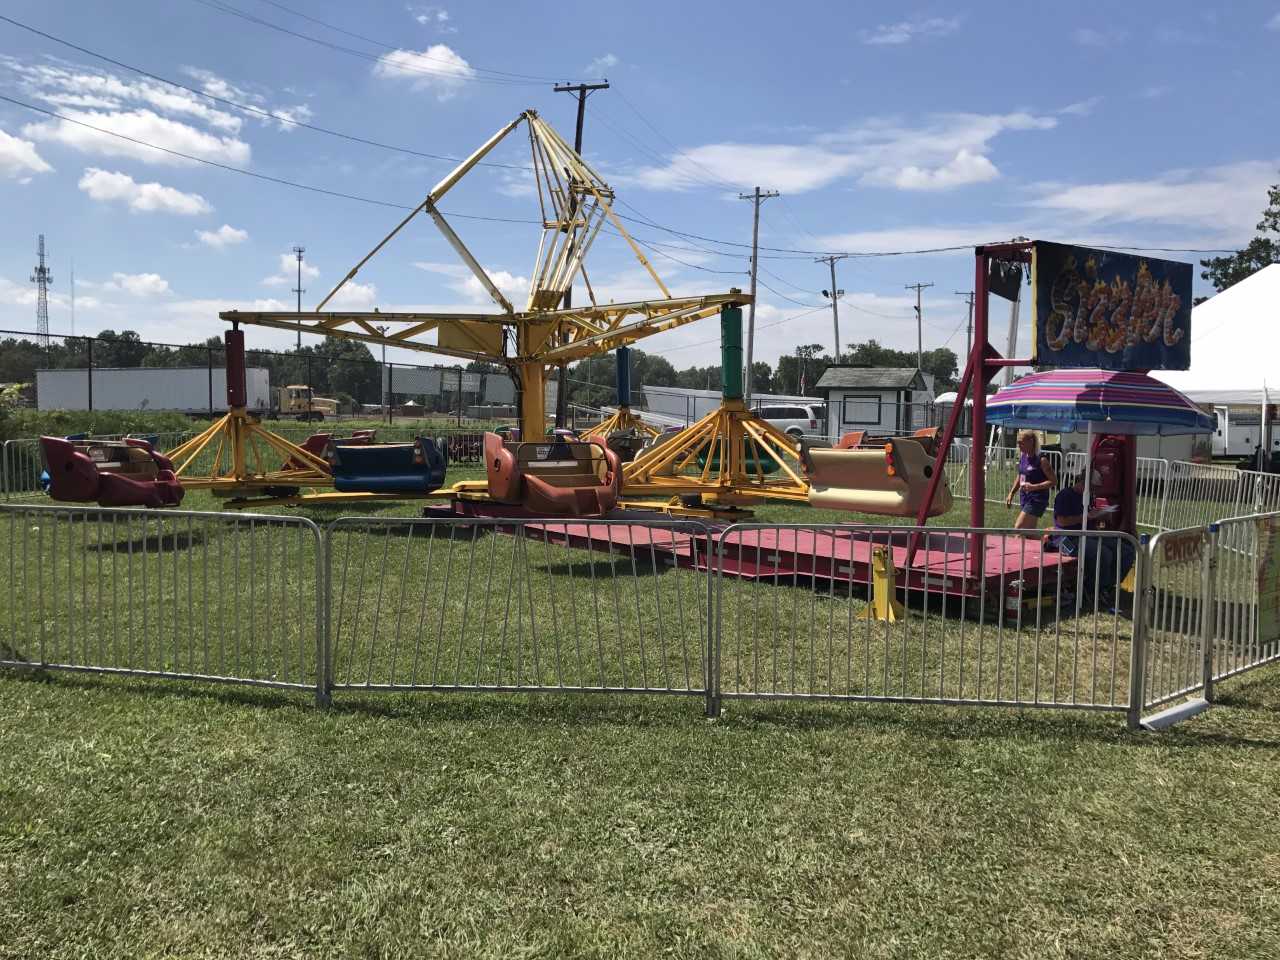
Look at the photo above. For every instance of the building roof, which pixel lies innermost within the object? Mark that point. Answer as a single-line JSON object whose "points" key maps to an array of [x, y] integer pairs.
{"points": [[877, 378]]}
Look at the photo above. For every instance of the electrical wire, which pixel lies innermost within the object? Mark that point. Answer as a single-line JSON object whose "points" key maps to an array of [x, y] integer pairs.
{"points": [[249, 108], [391, 46], [452, 75], [776, 293]]}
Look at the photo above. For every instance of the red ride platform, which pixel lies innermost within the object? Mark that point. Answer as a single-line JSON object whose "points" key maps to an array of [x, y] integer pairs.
{"points": [[839, 554]]}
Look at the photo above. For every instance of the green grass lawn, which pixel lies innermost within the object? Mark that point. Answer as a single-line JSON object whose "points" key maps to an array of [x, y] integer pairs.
{"points": [[144, 819], [149, 818]]}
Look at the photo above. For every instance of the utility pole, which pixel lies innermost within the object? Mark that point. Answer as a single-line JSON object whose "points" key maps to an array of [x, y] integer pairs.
{"points": [[298, 251], [968, 339], [834, 294], [919, 288], [41, 276], [73, 298], [755, 198], [583, 90]]}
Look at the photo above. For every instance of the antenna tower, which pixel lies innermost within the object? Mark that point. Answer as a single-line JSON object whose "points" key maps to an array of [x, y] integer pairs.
{"points": [[42, 277]]}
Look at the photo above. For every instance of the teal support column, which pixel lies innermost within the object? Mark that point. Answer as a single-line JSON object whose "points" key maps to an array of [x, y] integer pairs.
{"points": [[731, 352], [624, 376]]}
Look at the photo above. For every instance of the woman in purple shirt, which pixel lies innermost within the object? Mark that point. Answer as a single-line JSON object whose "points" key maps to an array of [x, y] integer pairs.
{"points": [[1035, 479]]}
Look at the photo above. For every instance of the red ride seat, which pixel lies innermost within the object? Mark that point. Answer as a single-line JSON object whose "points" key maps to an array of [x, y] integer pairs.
{"points": [[140, 478], [555, 478]]}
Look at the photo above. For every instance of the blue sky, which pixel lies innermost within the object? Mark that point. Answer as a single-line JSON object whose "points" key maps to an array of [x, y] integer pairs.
{"points": [[885, 127]]}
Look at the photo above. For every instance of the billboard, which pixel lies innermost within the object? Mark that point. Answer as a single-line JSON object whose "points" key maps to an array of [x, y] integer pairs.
{"points": [[1116, 311]]}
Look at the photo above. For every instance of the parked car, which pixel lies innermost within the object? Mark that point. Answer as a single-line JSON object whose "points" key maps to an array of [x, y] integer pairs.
{"points": [[798, 420]]}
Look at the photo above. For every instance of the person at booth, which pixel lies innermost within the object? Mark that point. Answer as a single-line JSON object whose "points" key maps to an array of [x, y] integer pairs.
{"points": [[1036, 477]]}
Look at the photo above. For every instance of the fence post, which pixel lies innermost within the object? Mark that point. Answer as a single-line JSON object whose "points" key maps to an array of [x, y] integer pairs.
{"points": [[1138, 651], [324, 578], [1165, 480], [1209, 607], [715, 559]]}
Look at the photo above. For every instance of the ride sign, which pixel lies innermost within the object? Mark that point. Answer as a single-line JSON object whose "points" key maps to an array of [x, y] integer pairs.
{"points": [[1114, 311]]}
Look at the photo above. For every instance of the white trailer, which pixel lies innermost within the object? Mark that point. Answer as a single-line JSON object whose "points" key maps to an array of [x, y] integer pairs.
{"points": [[1240, 429], [192, 390]]}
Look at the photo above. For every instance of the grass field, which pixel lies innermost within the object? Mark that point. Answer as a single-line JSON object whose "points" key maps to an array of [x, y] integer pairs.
{"points": [[142, 819], [156, 819]]}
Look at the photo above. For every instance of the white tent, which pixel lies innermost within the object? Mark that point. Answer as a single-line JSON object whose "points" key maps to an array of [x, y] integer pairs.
{"points": [[1235, 355], [1235, 343]]}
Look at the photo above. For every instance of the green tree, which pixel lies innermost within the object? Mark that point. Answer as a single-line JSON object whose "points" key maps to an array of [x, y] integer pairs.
{"points": [[123, 349], [351, 369], [1262, 250]]}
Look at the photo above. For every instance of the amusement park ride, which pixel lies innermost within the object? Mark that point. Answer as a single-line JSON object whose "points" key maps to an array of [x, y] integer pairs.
{"points": [[727, 460]]}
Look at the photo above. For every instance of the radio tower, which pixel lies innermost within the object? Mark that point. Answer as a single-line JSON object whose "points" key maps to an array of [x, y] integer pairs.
{"points": [[42, 278]]}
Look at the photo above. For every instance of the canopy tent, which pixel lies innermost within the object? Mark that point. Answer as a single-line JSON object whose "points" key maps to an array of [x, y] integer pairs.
{"points": [[1235, 339]]}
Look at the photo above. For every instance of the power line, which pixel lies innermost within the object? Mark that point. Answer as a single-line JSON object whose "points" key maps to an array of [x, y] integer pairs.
{"points": [[798, 303], [250, 108], [363, 55], [391, 46]]}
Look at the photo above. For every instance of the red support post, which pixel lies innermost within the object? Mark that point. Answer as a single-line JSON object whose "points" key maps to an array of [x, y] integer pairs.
{"points": [[236, 389], [978, 448]]}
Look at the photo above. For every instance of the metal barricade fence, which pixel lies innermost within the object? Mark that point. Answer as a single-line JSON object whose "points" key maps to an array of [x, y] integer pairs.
{"points": [[1246, 593], [1177, 601], [1199, 493], [174, 593], [518, 605], [795, 617]]}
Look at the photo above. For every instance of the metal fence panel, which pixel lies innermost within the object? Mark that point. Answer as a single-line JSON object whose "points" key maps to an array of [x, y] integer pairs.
{"points": [[1177, 602], [174, 593], [518, 605], [1246, 623], [793, 605]]}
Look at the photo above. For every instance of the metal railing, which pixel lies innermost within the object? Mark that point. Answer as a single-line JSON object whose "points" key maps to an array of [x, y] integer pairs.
{"points": [[174, 593], [1244, 582], [751, 611], [795, 602], [518, 605]]}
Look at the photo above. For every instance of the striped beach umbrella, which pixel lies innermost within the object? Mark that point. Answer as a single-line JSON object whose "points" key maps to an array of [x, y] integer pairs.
{"points": [[1105, 401]]}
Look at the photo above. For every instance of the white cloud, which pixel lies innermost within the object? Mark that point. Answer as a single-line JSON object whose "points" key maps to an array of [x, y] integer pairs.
{"points": [[138, 284], [436, 17], [598, 66], [225, 236], [1225, 199], [462, 281], [437, 68], [19, 159], [105, 186], [284, 117], [963, 168], [79, 87], [287, 271], [354, 296], [1081, 108], [1154, 91], [945, 151], [142, 125], [893, 34], [1108, 37], [1274, 22]]}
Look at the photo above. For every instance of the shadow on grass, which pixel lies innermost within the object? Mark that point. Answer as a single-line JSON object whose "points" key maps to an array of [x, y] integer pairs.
{"points": [[547, 710]]}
